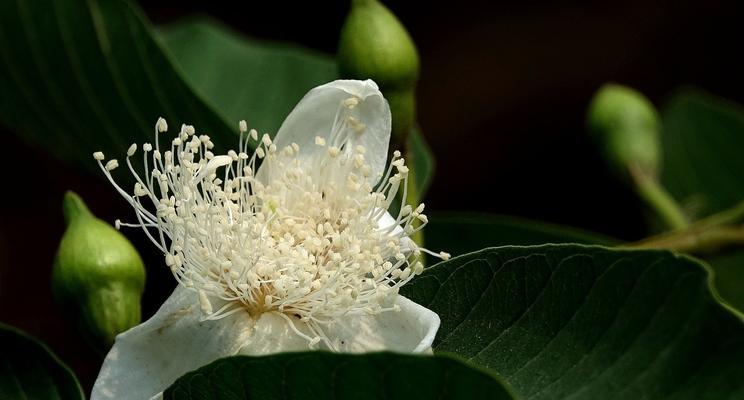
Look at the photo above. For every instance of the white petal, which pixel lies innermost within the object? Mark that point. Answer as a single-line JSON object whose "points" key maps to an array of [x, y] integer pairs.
{"points": [[412, 330], [385, 222], [315, 114], [272, 334], [148, 358]]}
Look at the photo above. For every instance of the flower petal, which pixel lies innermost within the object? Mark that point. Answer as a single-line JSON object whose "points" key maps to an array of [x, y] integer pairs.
{"points": [[316, 113], [412, 330], [148, 358], [385, 222], [272, 334]]}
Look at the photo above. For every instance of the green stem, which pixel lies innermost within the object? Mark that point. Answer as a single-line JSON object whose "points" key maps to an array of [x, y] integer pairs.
{"points": [[705, 236], [659, 199], [693, 241], [730, 216], [403, 107], [413, 197]]}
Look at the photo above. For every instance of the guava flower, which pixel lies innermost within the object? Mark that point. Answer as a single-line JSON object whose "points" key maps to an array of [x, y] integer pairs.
{"points": [[297, 254]]}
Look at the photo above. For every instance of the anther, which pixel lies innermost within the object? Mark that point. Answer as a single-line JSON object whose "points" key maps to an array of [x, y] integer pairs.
{"points": [[112, 165], [161, 125], [356, 124], [265, 139], [351, 102]]}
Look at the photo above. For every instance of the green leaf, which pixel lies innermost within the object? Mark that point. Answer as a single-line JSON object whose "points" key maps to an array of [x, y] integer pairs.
{"points": [[587, 322], [78, 76], [260, 82], [703, 136], [29, 370], [461, 233], [729, 276], [319, 375]]}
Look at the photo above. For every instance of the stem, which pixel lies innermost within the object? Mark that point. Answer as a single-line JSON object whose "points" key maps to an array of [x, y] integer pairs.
{"points": [[403, 107], [702, 237], [659, 199], [730, 216], [694, 242], [413, 197]]}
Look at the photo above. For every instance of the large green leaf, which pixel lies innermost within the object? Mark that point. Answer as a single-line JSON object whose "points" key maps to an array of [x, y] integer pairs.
{"points": [[83, 75], [729, 276], [583, 322], [461, 233], [29, 370], [318, 375], [703, 136], [247, 79]]}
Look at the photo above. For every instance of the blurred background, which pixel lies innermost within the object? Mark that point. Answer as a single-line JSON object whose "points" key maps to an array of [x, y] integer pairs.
{"points": [[502, 97], [507, 84]]}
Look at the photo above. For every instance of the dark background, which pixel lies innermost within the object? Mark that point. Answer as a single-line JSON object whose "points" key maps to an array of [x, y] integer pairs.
{"points": [[502, 96], [504, 86]]}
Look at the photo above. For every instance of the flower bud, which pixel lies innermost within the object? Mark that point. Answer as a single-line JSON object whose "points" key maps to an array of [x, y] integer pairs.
{"points": [[98, 275], [626, 126], [375, 45]]}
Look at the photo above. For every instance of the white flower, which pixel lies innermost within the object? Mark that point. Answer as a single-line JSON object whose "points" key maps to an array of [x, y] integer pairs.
{"points": [[300, 254]]}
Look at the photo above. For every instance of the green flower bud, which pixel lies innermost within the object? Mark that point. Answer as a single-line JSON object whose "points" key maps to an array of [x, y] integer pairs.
{"points": [[98, 275], [626, 126], [375, 45]]}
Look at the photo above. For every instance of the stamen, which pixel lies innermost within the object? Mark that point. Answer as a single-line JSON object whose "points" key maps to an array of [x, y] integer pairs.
{"points": [[351, 102], [111, 165], [307, 243], [161, 125]]}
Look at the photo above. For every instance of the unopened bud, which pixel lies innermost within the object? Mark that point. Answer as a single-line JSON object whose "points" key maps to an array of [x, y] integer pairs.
{"points": [[626, 126], [375, 45], [98, 275]]}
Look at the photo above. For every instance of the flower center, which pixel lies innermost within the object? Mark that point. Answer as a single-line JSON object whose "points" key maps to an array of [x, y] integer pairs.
{"points": [[308, 236]]}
